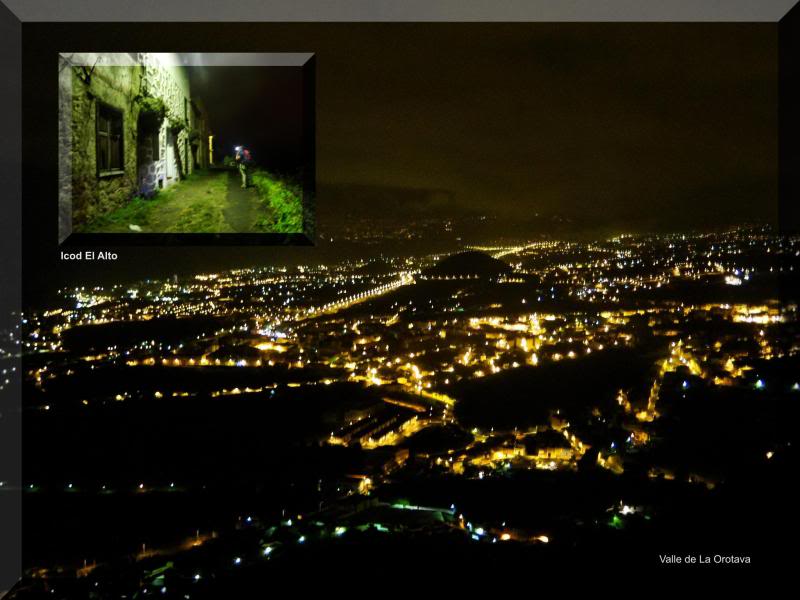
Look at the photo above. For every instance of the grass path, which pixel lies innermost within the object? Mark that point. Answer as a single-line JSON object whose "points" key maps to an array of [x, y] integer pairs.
{"points": [[206, 202], [243, 210]]}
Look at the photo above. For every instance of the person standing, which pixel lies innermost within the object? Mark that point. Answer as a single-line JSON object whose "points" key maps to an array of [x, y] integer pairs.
{"points": [[243, 161]]}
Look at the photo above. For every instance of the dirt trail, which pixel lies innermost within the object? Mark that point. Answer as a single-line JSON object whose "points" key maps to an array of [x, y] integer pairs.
{"points": [[242, 207]]}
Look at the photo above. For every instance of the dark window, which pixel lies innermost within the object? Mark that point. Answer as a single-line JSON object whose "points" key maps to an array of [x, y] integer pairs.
{"points": [[156, 146], [109, 139]]}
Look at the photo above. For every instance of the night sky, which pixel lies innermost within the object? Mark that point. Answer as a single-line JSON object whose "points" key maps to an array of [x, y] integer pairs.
{"points": [[257, 107], [637, 126], [663, 126]]}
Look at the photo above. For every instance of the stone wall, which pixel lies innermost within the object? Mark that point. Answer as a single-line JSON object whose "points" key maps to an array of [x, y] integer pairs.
{"points": [[119, 80], [93, 194], [172, 86]]}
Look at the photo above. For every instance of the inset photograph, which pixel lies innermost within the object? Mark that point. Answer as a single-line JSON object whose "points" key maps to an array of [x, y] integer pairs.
{"points": [[186, 148]]}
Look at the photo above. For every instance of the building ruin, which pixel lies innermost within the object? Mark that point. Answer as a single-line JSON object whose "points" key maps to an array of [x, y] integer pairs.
{"points": [[128, 126]]}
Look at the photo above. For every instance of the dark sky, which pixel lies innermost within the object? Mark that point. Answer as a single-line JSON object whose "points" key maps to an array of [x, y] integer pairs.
{"points": [[636, 124], [258, 107], [631, 125]]}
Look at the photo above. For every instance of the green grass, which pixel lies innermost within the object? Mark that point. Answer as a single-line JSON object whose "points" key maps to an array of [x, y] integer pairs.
{"points": [[136, 212], [190, 206], [201, 203], [285, 201]]}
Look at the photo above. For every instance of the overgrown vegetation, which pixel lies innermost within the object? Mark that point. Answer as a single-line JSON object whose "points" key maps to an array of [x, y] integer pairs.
{"points": [[135, 212], [176, 124], [284, 198], [193, 134], [212, 202], [193, 206], [152, 111]]}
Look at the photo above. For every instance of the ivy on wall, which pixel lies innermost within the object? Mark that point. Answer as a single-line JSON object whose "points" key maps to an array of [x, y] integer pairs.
{"points": [[152, 111], [176, 125]]}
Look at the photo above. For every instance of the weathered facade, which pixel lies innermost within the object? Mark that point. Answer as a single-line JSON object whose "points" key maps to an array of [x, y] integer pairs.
{"points": [[128, 127]]}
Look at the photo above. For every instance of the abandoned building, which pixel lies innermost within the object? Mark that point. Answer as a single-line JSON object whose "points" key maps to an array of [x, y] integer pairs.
{"points": [[129, 127]]}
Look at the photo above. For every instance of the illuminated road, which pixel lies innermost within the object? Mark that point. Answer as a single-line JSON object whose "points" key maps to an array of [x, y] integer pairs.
{"points": [[334, 307]]}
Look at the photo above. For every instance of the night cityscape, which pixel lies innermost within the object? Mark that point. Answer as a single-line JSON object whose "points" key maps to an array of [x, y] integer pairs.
{"points": [[548, 397]]}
